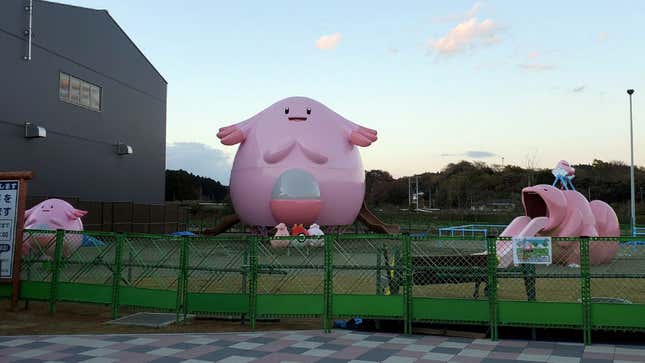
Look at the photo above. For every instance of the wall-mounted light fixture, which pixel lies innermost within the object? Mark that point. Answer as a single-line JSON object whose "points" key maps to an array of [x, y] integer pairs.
{"points": [[34, 131], [123, 149]]}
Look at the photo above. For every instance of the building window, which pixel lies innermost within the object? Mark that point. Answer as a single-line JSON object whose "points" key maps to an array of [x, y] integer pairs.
{"points": [[79, 92]]}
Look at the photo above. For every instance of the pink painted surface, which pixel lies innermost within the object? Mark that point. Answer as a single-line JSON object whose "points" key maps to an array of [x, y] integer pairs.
{"points": [[550, 211], [297, 150], [295, 211], [505, 248], [53, 214]]}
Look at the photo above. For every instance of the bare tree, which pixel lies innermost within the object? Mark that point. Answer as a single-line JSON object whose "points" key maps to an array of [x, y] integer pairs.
{"points": [[530, 163]]}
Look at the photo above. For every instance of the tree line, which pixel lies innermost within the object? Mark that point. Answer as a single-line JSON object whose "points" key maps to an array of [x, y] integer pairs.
{"points": [[182, 185], [464, 185], [461, 185]]}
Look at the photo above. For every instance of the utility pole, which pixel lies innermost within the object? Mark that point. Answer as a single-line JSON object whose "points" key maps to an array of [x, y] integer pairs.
{"points": [[409, 192], [630, 92], [417, 192]]}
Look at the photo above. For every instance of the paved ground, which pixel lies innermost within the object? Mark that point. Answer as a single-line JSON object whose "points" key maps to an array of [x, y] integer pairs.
{"points": [[300, 346]]}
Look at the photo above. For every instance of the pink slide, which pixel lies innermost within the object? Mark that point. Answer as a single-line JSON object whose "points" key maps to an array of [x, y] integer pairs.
{"points": [[550, 211], [522, 226]]}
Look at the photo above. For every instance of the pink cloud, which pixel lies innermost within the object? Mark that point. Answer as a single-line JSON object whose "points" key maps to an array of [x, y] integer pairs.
{"points": [[602, 36], [532, 55], [328, 42], [467, 35]]}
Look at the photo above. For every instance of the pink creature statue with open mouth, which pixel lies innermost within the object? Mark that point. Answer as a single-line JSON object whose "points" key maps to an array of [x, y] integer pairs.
{"points": [[563, 212]]}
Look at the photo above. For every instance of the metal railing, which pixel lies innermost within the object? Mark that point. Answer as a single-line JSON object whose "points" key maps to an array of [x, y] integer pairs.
{"points": [[471, 230], [413, 279]]}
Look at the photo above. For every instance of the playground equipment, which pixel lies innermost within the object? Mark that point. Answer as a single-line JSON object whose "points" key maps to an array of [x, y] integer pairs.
{"points": [[472, 230], [563, 212], [53, 214], [297, 163], [636, 232], [374, 224]]}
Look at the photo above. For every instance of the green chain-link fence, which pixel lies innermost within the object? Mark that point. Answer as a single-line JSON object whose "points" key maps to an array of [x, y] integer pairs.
{"points": [[217, 278], [436, 279], [367, 276], [290, 275]]}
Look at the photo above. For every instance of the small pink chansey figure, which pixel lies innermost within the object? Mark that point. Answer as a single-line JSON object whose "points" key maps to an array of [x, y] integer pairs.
{"points": [[316, 236], [282, 231], [52, 214], [527, 249]]}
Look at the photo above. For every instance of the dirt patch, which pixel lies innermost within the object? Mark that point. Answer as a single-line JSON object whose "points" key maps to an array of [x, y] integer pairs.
{"points": [[71, 318]]}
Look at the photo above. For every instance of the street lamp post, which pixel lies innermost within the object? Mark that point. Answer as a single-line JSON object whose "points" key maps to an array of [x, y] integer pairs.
{"points": [[409, 192], [417, 192], [630, 92]]}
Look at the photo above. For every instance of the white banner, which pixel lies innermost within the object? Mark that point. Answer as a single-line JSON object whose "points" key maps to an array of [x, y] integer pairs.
{"points": [[8, 220]]}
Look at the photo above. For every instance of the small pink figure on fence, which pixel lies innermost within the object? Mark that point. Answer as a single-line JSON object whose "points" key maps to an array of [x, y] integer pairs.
{"points": [[52, 214], [282, 231]]}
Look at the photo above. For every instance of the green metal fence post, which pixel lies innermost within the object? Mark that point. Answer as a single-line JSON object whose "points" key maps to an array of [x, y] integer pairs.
{"points": [[328, 292], [185, 276], [53, 286], [253, 283], [585, 290], [116, 275], [181, 279], [130, 257], [245, 277], [379, 271], [407, 285], [380, 251], [492, 287]]}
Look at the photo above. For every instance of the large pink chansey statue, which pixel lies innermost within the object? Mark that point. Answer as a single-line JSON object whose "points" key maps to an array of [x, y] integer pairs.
{"points": [[52, 214], [297, 164], [563, 212]]}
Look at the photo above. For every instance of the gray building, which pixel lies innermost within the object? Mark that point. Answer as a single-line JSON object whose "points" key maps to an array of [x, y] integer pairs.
{"points": [[100, 101]]}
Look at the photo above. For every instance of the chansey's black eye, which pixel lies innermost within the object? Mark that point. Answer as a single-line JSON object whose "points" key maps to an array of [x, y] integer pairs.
{"points": [[308, 111], [286, 110]]}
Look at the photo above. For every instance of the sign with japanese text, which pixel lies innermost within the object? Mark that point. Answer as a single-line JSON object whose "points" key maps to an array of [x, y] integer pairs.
{"points": [[8, 223], [532, 250]]}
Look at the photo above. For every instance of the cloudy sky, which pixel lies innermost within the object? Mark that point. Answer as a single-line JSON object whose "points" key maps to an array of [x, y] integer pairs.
{"points": [[441, 81]]}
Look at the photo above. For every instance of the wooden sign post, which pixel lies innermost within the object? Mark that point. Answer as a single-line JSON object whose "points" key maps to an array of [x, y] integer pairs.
{"points": [[13, 196]]}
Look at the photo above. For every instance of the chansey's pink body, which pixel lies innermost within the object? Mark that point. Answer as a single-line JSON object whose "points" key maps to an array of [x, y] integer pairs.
{"points": [[297, 163]]}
